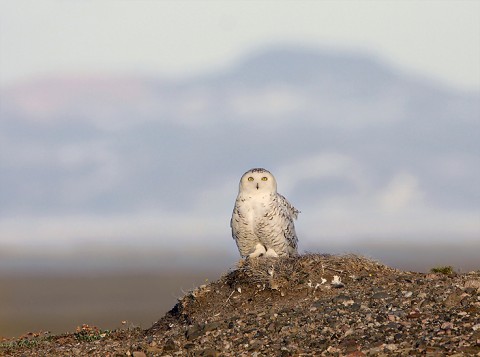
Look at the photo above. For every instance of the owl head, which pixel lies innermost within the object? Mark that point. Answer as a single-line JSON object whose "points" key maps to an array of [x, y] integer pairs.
{"points": [[258, 181]]}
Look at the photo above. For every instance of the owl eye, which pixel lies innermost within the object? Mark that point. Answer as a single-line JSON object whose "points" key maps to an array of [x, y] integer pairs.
{"points": [[264, 178], [250, 178]]}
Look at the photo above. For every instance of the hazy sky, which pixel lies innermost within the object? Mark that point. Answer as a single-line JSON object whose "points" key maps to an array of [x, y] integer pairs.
{"points": [[440, 39]]}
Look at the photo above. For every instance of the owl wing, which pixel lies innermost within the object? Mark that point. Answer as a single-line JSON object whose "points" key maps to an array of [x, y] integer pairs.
{"points": [[283, 202], [234, 225], [288, 214], [240, 232]]}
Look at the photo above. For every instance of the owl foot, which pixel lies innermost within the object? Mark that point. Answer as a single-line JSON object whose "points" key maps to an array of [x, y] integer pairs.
{"points": [[259, 251], [270, 253]]}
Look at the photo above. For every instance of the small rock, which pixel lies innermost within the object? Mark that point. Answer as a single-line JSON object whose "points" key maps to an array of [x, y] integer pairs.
{"points": [[348, 303], [446, 326], [414, 315], [392, 325], [355, 306], [454, 299], [193, 332], [472, 283], [380, 295], [471, 291], [375, 351], [341, 298], [209, 352], [139, 354], [336, 282], [254, 345], [399, 337], [356, 354], [391, 347], [155, 350], [318, 303], [212, 326], [169, 345]]}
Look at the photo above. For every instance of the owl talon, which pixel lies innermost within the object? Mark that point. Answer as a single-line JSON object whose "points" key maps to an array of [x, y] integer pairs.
{"points": [[259, 251], [270, 253]]}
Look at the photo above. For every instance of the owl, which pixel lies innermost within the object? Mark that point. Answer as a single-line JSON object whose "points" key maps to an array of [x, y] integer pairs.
{"points": [[262, 219]]}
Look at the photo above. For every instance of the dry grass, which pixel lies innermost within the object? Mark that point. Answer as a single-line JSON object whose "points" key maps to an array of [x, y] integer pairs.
{"points": [[446, 270], [295, 272]]}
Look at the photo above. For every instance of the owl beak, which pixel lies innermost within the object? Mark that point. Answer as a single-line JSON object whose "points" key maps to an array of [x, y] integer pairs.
{"points": [[257, 186]]}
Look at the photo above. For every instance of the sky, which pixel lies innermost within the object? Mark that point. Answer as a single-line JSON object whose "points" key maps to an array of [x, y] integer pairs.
{"points": [[437, 39]]}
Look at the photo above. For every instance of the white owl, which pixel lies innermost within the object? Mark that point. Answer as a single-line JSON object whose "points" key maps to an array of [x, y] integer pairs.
{"points": [[262, 219]]}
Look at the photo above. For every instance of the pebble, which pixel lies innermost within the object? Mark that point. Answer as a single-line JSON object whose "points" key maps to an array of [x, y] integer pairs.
{"points": [[381, 295], [139, 354], [194, 331], [169, 345], [472, 283], [341, 298], [212, 325]]}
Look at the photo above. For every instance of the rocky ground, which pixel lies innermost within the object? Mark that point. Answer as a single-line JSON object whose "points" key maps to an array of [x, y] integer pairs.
{"points": [[310, 305]]}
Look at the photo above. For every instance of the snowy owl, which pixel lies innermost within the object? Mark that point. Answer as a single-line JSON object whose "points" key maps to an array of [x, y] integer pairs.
{"points": [[262, 219]]}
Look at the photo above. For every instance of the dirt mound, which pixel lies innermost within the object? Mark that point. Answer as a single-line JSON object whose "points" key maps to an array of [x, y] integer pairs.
{"points": [[311, 304], [265, 283]]}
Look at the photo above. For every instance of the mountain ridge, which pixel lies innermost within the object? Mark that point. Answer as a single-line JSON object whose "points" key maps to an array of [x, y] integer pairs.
{"points": [[368, 152]]}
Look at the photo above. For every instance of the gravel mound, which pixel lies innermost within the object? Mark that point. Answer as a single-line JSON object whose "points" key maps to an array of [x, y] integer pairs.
{"points": [[308, 305]]}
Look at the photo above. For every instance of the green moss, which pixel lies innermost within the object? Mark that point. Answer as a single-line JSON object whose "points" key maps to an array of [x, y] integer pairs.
{"points": [[447, 270], [83, 334], [88, 334], [23, 343]]}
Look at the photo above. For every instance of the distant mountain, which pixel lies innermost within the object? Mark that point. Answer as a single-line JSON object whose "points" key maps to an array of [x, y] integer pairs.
{"points": [[349, 138], [306, 67]]}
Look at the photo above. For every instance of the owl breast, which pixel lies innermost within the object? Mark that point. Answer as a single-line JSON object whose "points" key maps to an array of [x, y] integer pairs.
{"points": [[246, 223], [263, 221]]}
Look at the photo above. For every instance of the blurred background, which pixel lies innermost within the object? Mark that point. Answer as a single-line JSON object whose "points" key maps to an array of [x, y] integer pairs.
{"points": [[125, 127]]}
